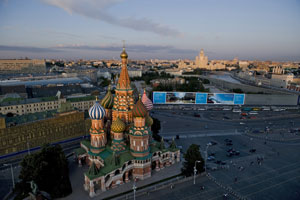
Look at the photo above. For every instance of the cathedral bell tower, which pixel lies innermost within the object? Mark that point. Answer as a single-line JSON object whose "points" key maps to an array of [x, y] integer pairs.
{"points": [[123, 100]]}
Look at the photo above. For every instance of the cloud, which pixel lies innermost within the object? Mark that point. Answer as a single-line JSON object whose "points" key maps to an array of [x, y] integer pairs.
{"points": [[96, 9], [27, 49]]}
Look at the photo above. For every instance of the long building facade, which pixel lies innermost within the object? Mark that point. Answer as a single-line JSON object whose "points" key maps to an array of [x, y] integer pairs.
{"points": [[121, 147]]}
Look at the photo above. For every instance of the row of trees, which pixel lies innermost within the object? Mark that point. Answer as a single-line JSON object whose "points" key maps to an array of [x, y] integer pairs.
{"points": [[149, 76], [192, 84]]}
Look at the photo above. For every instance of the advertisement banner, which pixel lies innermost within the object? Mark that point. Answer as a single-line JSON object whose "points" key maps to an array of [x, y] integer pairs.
{"points": [[180, 98], [159, 97], [201, 98], [198, 98]]}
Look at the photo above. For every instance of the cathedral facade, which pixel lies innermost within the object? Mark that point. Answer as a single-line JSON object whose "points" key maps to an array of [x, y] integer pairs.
{"points": [[121, 147]]}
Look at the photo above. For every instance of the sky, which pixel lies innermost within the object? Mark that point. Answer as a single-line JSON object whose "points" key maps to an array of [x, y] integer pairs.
{"points": [[156, 29]]}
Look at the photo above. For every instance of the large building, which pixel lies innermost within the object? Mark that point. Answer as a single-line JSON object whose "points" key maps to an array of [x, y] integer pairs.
{"points": [[33, 130], [121, 147], [201, 61], [34, 105], [22, 66]]}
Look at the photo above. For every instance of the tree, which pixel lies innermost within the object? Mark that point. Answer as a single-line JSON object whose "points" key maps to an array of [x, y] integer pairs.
{"points": [[237, 90], [48, 169], [155, 129], [191, 156]]}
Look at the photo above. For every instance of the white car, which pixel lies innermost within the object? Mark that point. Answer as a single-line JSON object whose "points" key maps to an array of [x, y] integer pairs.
{"points": [[253, 113]]}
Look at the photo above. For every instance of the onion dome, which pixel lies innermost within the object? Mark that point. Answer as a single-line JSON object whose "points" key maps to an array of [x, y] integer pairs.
{"points": [[108, 101], [124, 54], [118, 126], [97, 111], [149, 121], [139, 110], [147, 102]]}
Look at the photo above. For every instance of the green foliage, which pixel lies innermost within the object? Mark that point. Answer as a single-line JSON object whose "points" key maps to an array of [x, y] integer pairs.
{"points": [[149, 76], [192, 84], [104, 82], [155, 129], [192, 154], [49, 169], [197, 71], [206, 81], [237, 90]]}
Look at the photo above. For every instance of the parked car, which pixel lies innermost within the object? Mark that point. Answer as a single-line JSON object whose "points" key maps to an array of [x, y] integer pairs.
{"points": [[227, 140], [252, 150], [210, 158], [212, 143]]}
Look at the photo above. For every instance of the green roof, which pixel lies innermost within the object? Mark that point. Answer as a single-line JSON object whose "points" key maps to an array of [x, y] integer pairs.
{"points": [[108, 167], [21, 119], [80, 151], [86, 98], [93, 170]]}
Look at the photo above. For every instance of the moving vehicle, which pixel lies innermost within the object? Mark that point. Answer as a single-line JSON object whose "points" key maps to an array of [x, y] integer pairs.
{"points": [[253, 113]]}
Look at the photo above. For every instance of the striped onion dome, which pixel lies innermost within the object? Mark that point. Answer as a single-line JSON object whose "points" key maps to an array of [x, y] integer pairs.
{"points": [[147, 102], [149, 121], [108, 101], [139, 110], [97, 111], [118, 126]]}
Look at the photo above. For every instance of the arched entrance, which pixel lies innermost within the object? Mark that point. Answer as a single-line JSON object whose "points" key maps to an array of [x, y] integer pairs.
{"points": [[153, 165]]}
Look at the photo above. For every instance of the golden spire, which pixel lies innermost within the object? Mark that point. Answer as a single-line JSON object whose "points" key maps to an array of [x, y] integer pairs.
{"points": [[124, 54], [124, 81]]}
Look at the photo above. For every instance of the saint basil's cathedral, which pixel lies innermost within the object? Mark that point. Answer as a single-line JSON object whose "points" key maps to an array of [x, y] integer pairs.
{"points": [[121, 147]]}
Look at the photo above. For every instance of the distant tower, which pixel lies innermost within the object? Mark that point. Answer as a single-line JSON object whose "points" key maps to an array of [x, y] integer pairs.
{"points": [[98, 136], [201, 60], [123, 101]]}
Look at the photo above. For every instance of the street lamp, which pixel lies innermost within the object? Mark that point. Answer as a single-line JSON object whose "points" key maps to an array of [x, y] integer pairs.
{"points": [[12, 174], [134, 188], [28, 149], [195, 170], [207, 145]]}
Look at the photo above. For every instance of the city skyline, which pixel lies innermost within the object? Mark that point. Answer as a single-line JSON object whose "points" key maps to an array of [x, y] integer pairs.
{"points": [[90, 29]]}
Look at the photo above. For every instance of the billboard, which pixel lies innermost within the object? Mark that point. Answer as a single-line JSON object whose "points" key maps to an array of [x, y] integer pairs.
{"points": [[198, 98]]}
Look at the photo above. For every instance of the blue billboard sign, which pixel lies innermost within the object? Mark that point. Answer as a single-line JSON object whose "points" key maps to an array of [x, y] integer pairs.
{"points": [[201, 98], [239, 99], [159, 97], [198, 98]]}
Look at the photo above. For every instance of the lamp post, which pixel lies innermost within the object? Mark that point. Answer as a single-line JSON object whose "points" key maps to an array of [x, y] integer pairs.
{"points": [[207, 145], [195, 170], [28, 149], [134, 188], [251, 139], [12, 174]]}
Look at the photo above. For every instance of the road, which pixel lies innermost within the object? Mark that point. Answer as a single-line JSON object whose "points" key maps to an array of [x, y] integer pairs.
{"points": [[276, 176]]}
